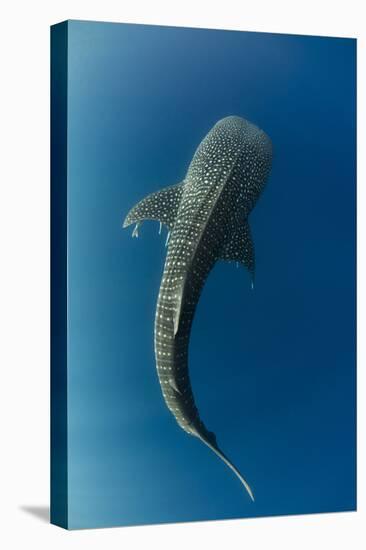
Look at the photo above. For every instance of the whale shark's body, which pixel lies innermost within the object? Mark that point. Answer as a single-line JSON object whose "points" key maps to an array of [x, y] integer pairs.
{"points": [[207, 219]]}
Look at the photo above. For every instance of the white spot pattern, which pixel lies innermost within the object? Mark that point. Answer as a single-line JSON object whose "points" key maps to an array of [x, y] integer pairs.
{"points": [[207, 217]]}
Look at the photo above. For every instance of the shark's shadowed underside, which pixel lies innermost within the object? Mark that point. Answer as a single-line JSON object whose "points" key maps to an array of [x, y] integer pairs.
{"points": [[207, 218]]}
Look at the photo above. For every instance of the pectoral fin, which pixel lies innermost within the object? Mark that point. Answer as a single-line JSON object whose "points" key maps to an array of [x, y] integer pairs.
{"points": [[161, 206], [239, 247]]}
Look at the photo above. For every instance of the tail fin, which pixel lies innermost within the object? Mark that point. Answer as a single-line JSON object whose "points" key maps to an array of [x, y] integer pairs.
{"points": [[221, 455]]}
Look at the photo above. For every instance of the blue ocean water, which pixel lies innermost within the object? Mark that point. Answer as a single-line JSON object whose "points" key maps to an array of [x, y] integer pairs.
{"points": [[272, 369]]}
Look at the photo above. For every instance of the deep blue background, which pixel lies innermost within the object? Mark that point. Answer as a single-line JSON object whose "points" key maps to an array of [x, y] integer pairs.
{"points": [[273, 370]]}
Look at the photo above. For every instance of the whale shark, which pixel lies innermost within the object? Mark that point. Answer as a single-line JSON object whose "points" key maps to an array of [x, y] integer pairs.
{"points": [[206, 215]]}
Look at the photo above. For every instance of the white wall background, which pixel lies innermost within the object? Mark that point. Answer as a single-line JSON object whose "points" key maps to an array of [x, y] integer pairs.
{"points": [[24, 271]]}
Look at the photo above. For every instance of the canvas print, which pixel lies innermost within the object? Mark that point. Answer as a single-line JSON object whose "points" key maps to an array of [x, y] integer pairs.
{"points": [[206, 368]]}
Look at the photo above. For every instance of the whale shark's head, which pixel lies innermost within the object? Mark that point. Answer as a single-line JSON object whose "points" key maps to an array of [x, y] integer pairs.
{"points": [[249, 149]]}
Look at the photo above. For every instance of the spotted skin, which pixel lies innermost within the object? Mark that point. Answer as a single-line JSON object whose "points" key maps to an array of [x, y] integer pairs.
{"points": [[207, 216]]}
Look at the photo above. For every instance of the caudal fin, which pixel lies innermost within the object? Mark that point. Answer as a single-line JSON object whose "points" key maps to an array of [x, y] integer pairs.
{"points": [[221, 455]]}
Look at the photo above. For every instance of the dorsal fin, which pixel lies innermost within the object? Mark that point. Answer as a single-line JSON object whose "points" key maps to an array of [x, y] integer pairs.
{"points": [[177, 310], [173, 384], [161, 206]]}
